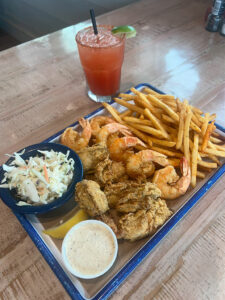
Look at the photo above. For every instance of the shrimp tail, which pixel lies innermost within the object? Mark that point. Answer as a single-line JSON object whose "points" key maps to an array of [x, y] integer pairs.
{"points": [[159, 158], [126, 132], [185, 180], [184, 167], [98, 122], [131, 141], [84, 123]]}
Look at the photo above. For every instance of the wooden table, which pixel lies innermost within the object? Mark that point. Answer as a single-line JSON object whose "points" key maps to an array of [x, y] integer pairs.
{"points": [[42, 90]]}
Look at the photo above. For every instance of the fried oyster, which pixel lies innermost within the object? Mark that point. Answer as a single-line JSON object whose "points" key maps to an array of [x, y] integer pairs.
{"points": [[108, 171], [91, 198], [134, 226], [130, 193], [91, 156], [111, 218], [136, 209]]}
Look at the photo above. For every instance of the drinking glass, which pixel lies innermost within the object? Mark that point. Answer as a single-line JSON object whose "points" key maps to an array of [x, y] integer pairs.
{"points": [[101, 57]]}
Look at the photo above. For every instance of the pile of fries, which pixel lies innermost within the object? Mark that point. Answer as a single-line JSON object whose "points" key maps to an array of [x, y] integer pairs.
{"points": [[173, 128]]}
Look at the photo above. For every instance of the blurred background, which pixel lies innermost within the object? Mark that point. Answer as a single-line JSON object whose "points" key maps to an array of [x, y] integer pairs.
{"points": [[24, 20]]}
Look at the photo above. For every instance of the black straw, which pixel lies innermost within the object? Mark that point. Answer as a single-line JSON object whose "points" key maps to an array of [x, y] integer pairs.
{"points": [[92, 13]]}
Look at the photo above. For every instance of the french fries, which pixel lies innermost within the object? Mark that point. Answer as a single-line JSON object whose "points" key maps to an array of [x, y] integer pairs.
{"points": [[113, 113], [130, 106], [127, 97], [215, 152], [186, 133], [200, 174], [150, 91], [215, 140], [162, 142], [137, 120], [194, 162], [181, 125], [149, 130], [207, 135], [167, 119], [205, 123], [139, 134], [196, 120], [206, 164], [173, 128], [167, 152], [126, 113], [156, 122], [165, 107]]}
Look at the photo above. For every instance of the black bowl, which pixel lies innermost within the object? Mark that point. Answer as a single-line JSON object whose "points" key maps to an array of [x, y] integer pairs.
{"points": [[9, 197]]}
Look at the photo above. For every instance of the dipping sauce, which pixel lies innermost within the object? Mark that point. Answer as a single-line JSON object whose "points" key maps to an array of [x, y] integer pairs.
{"points": [[89, 249]]}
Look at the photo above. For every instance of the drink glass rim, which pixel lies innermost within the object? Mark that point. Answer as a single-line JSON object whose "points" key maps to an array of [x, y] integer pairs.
{"points": [[121, 38]]}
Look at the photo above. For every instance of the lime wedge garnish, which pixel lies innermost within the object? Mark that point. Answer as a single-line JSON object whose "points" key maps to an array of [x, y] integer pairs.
{"points": [[60, 231], [129, 31]]}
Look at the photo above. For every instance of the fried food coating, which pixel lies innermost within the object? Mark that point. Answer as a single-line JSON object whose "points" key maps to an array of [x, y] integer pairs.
{"points": [[110, 219], [130, 192], [91, 156], [171, 185], [134, 226], [157, 215], [91, 198], [90, 176], [134, 205], [108, 171], [138, 210], [137, 225], [73, 139]]}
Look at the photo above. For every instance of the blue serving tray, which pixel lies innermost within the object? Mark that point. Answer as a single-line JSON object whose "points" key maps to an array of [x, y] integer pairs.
{"points": [[126, 270]]}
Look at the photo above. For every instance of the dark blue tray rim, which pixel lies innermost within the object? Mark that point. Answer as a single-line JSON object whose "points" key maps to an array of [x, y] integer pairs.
{"points": [[114, 283]]}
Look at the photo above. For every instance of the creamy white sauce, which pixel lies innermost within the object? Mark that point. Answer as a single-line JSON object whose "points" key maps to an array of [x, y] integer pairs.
{"points": [[90, 249]]}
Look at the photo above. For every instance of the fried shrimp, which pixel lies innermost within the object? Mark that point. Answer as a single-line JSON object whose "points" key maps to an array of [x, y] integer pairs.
{"points": [[169, 182], [74, 140], [98, 122], [118, 149], [141, 163], [112, 137], [109, 129]]}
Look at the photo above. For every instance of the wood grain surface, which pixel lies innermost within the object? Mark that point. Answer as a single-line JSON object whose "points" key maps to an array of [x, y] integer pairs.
{"points": [[42, 90]]}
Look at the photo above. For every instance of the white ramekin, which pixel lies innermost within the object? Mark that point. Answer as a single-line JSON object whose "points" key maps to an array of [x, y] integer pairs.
{"points": [[68, 236]]}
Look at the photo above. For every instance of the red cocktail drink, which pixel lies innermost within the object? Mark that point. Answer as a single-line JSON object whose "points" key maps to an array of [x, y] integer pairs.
{"points": [[101, 56]]}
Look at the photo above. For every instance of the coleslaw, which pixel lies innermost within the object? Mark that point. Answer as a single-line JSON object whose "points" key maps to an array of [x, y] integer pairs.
{"points": [[40, 179]]}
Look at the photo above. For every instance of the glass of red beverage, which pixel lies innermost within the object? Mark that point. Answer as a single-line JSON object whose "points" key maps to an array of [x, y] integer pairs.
{"points": [[101, 57]]}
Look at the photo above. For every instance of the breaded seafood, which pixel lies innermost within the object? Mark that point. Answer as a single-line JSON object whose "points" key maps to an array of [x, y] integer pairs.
{"points": [[91, 198], [134, 205], [73, 139], [141, 163], [134, 226], [137, 225], [98, 122], [130, 192], [137, 208], [109, 129], [91, 156], [171, 185], [111, 220], [108, 171], [120, 149]]}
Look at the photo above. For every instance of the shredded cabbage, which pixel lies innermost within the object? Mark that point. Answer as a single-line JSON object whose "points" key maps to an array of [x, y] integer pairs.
{"points": [[39, 180]]}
